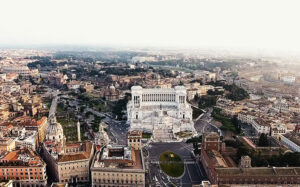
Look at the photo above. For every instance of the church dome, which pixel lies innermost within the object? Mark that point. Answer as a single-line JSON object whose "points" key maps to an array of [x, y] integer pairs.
{"points": [[112, 87], [55, 132]]}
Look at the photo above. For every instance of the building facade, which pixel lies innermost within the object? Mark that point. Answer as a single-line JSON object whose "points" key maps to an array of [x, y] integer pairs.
{"points": [[220, 170], [24, 167], [67, 162], [21, 70], [163, 112], [117, 165], [134, 139]]}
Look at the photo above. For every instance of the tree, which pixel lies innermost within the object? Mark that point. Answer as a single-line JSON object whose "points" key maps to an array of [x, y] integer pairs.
{"points": [[263, 140], [236, 93], [207, 101], [242, 151], [195, 140], [196, 112], [196, 98], [120, 105], [216, 92], [236, 124]]}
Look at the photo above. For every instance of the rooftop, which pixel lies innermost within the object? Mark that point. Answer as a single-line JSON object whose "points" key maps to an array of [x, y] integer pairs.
{"points": [[22, 157], [217, 158], [260, 171], [82, 154], [294, 137], [117, 152], [118, 157]]}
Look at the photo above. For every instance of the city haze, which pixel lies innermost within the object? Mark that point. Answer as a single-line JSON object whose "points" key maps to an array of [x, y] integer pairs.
{"points": [[244, 25]]}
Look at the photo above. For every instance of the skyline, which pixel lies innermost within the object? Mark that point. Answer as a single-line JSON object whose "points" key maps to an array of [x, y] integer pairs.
{"points": [[247, 25]]}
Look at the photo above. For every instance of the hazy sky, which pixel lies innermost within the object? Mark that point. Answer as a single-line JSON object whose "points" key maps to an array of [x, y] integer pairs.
{"points": [[252, 24]]}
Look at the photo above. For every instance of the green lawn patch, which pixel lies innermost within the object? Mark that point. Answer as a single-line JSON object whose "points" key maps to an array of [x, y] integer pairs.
{"points": [[70, 128], [171, 164], [228, 124], [146, 135], [182, 134]]}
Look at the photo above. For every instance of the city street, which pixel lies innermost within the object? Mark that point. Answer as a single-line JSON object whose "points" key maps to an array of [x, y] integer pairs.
{"points": [[53, 107], [203, 124], [193, 174], [116, 130]]}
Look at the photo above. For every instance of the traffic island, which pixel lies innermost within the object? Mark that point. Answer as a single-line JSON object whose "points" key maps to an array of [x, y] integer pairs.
{"points": [[171, 164]]}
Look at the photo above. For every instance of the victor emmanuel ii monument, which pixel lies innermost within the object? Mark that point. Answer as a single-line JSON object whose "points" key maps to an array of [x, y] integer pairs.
{"points": [[161, 111]]}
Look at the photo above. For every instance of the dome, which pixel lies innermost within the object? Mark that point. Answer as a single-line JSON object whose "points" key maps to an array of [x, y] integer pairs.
{"points": [[112, 87], [55, 132]]}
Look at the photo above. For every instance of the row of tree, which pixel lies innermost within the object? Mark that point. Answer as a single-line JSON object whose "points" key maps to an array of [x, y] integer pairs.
{"points": [[259, 160]]}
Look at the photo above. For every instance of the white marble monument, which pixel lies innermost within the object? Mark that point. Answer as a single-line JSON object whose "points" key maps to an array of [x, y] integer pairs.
{"points": [[161, 111]]}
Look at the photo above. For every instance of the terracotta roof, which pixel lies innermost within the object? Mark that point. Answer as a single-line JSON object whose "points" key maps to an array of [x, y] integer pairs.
{"points": [[87, 146], [66, 158], [41, 121], [14, 157], [5, 123], [10, 156]]}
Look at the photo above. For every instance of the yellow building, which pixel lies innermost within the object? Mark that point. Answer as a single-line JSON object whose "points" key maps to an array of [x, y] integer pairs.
{"points": [[294, 109], [134, 139], [42, 127], [7, 144]]}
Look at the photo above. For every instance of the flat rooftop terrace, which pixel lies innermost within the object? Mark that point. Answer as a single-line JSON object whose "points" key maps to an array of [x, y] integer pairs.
{"points": [[98, 163]]}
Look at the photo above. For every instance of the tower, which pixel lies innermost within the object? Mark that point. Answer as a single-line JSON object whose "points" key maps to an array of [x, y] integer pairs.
{"points": [[134, 139], [211, 141], [78, 131], [245, 162]]}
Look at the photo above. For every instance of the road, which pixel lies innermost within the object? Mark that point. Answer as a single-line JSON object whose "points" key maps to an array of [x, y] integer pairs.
{"points": [[194, 172], [116, 130], [95, 112], [53, 107], [204, 124]]}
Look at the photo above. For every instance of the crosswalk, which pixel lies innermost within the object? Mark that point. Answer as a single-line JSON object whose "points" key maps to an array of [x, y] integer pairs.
{"points": [[185, 162]]}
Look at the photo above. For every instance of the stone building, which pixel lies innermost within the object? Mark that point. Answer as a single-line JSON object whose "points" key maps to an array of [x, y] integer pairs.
{"points": [[30, 124], [118, 165], [134, 139], [56, 79], [101, 137], [21, 70], [111, 93], [245, 162], [89, 87], [163, 112], [7, 143], [24, 167], [42, 127], [67, 162], [221, 171]]}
